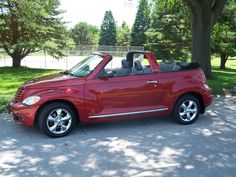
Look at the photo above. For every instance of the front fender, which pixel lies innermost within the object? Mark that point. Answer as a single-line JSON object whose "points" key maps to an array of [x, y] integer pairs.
{"points": [[73, 96]]}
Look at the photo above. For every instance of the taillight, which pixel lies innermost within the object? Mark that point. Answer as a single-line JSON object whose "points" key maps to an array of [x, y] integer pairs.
{"points": [[206, 86], [203, 77]]}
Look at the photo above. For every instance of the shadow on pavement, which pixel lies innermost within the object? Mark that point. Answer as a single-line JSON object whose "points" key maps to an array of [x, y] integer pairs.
{"points": [[143, 147]]}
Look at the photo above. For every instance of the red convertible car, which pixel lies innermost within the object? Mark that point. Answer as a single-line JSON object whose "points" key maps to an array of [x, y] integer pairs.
{"points": [[94, 90]]}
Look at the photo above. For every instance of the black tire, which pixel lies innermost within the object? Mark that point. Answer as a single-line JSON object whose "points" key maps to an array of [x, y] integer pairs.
{"points": [[186, 110], [57, 119]]}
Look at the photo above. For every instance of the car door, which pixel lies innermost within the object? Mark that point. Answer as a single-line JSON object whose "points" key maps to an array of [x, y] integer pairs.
{"points": [[115, 97]]}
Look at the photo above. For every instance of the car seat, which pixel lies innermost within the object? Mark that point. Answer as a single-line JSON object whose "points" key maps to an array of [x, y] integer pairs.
{"points": [[125, 70]]}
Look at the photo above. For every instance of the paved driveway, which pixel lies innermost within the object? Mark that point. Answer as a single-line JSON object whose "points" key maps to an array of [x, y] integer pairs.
{"points": [[150, 147]]}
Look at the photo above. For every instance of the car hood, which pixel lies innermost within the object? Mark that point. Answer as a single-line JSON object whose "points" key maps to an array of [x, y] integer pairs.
{"points": [[53, 81]]}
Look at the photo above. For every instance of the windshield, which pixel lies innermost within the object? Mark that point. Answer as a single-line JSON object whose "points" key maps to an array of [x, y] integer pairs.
{"points": [[85, 67]]}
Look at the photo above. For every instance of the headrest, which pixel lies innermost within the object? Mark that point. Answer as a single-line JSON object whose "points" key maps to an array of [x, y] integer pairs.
{"points": [[138, 66]]}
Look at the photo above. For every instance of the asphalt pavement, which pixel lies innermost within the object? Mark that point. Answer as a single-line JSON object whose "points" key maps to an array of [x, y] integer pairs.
{"points": [[143, 147]]}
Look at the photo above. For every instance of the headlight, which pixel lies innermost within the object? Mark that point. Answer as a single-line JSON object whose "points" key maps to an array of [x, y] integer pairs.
{"points": [[31, 100]]}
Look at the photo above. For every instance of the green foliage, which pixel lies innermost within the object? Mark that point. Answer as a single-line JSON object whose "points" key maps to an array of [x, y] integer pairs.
{"points": [[169, 34], [141, 24], [224, 32], [85, 34], [108, 30], [204, 14], [123, 35], [27, 26], [167, 3]]}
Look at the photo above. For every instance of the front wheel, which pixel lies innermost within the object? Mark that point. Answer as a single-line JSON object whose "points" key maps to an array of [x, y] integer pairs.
{"points": [[57, 120], [186, 110]]}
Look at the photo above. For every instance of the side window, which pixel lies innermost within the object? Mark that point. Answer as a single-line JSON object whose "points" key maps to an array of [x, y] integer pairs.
{"points": [[119, 67], [112, 69], [113, 64], [122, 67]]}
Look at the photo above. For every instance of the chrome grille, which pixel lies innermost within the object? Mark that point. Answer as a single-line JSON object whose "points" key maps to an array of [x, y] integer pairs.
{"points": [[18, 95]]}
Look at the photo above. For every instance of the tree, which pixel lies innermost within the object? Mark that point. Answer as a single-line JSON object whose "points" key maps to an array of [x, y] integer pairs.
{"points": [[204, 14], [108, 30], [169, 33], [224, 34], [27, 26], [123, 35], [85, 34], [141, 24]]}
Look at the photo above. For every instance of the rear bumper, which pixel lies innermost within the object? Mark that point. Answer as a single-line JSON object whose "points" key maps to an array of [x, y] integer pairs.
{"points": [[207, 98], [23, 114], [209, 101]]}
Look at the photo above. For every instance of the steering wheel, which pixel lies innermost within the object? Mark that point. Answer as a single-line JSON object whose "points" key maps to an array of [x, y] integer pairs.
{"points": [[86, 68]]}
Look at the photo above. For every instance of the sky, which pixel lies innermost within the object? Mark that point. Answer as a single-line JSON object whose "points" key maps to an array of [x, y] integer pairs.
{"points": [[92, 11]]}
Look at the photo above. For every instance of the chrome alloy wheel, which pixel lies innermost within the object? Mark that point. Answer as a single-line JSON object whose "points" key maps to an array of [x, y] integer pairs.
{"points": [[188, 110], [59, 121]]}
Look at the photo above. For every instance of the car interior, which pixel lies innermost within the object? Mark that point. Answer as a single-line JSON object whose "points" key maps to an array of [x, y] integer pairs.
{"points": [[137, 63], [171, 66]]}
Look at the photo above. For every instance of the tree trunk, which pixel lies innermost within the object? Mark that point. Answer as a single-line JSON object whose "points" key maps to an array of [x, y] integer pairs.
{"points": [[18, 55], [204, 16], [16, 61], [201, 35], [223, 59]]}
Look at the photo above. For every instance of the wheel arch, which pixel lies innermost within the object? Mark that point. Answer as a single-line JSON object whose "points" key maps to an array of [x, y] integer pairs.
{"points": [[56, 101], [196, 95]]}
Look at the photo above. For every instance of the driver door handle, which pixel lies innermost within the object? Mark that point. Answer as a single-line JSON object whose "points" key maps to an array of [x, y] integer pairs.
{"points": [[152, 82]]}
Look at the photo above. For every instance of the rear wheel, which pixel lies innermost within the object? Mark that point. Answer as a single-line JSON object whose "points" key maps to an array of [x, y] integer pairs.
{"points": [[187, 109], [57, 119]]}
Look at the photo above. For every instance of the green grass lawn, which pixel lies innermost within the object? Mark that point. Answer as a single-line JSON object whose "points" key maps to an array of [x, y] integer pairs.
{"points": [[223, 81], [10, 79]]}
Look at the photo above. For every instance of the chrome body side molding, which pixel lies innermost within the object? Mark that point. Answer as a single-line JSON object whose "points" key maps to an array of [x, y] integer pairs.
{"points": [[127, 113]]}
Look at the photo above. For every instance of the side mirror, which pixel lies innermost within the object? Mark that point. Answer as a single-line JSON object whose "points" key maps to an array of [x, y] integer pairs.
{"points": [[107, 75]]}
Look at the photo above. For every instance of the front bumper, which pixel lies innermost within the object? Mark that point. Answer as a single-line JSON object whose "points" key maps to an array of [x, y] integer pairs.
{"points": [[23, 114]]}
